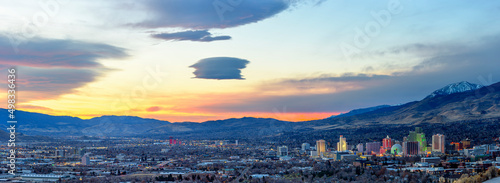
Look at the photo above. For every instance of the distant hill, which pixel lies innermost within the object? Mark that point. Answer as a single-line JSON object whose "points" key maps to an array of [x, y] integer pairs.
{"points": [[42, 124], [443, 107], [359, 111]]}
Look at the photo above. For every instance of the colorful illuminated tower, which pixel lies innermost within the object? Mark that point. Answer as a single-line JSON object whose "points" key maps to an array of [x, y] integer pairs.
{"points": [[320, 147], [386, 145], [418, 136], [342, 144]]}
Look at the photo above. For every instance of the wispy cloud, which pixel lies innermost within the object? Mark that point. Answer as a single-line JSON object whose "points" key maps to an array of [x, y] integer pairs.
{"points": [[50, 53], [153, 109], [198, 35]]}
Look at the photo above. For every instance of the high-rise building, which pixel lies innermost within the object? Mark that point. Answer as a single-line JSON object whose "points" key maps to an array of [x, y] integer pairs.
{"points": [[418, 136], [59, 153], [438, 142], [306, 146], [386, 145], [342, 144], [418, 130], [360, 148], [236, 142], [387, 142], [466, 143], [283, 151], [457, 145], [171, 140], [410, 148], [320, 147], [85, 160], [372, 147]]}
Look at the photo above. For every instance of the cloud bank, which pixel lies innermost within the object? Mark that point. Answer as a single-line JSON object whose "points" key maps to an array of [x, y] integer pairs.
{"points": [[196, 17], [205, 14], [50, 53], [52, 67], [219, 68]]}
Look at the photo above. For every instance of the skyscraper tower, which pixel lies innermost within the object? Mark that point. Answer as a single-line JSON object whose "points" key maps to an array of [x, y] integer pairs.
{"points": [[418, 136], [320, 147], [438, 142], [410, 148], [387, 142], [342, 144], [386, 145]]}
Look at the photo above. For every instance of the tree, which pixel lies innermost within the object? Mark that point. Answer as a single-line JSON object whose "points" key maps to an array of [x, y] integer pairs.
{"points": [[170, 177]]}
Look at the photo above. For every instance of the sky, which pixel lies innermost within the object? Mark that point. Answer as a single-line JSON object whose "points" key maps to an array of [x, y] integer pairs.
{"points": [[200, 60]]}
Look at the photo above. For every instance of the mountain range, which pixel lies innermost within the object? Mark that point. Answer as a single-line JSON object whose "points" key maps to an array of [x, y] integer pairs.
{"points": [[448, 89], [472, 104], [455, 102]]}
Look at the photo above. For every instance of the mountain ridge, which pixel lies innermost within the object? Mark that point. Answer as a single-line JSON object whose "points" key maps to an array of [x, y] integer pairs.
{"points": [[472, 104], [359, 111], [458, 87]]}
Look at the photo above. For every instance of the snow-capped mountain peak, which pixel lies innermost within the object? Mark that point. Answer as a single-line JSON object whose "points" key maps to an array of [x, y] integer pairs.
{"points": [[455, 88]]}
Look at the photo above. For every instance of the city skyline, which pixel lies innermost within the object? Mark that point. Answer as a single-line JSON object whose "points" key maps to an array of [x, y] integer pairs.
{"points": [[258, 59]]}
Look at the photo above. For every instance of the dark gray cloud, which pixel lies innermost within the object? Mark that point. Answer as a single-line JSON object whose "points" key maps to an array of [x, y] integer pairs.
{"points": [[50, 83], [51, 53], [206, 14], [202, 15], [198, 35], [52, 67], [478, 63], [219, 68]]}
